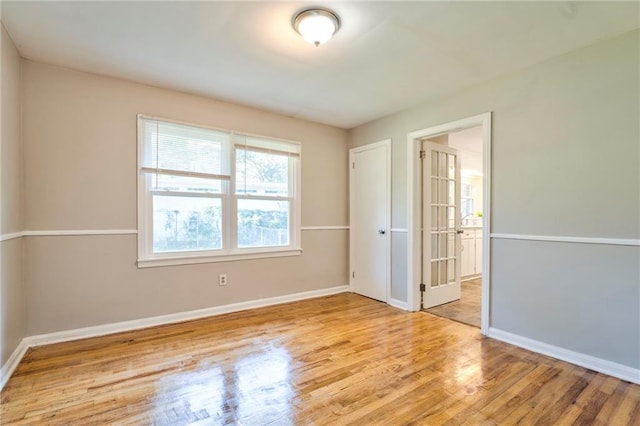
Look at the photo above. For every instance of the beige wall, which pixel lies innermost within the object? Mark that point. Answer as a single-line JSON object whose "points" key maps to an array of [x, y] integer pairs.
{"points": [[566, 162], [12, 303], [80, 174]]}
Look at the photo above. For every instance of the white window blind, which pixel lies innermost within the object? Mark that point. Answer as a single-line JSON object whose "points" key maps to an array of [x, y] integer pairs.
{"points": [[178, 150], [269, 146]]}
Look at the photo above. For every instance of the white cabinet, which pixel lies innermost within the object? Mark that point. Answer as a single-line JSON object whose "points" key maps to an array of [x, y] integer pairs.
{"points": [[467, 265], [471, 261], [478, 252]]}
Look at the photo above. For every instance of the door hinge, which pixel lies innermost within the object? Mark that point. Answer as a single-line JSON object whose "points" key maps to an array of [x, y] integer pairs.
{"points": [[423, 287], [423, 154], [353, 274], [353, 165]]}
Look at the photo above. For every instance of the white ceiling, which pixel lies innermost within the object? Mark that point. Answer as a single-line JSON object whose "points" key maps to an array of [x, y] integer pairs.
{"points": [[386, 57]]}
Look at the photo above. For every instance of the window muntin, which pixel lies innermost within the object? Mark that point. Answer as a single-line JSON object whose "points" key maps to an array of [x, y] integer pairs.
{"points": [[211, 194]]}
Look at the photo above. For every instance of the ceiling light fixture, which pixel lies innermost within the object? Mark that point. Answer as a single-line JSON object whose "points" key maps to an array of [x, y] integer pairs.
{"points": [[316, 25]]}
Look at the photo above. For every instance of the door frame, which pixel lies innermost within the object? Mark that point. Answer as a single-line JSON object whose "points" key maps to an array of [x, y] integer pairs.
{"points": [[386, 143], [414, 200]]}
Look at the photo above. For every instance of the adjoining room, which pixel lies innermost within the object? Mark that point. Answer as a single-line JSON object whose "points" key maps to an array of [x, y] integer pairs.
{"points": [[467, 145]]}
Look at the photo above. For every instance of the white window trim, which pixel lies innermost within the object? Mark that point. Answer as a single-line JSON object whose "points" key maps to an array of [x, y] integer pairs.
{"points": [[145, 215]]}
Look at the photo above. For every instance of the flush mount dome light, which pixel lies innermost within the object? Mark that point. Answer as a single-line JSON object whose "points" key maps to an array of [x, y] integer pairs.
{"points": [[316, 25]]}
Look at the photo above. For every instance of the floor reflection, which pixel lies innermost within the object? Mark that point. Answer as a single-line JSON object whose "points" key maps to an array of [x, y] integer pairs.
{"points": [[264, 390], [337, 360], [257, 390], [190, 396]]}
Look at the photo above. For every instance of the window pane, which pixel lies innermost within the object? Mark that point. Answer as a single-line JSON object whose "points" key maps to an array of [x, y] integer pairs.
{"points": [[443, 272], [442, 198], [434, 273], [442, 220], [451, 245], [451, 271], [434, 163], [467, 190], [186, 223], [442, 164], [451, 212], [452, 166], [434, 218], [434, 246], [443, 246], [466, 209], [263, 223], [452, 193], [259, 173]]}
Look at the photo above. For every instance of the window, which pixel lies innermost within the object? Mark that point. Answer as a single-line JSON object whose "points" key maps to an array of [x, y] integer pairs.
{"points": [[208, 195], [466, 208]]}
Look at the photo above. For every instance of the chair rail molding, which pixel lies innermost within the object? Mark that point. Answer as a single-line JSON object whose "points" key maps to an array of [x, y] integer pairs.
{"points": [[568, 239]]}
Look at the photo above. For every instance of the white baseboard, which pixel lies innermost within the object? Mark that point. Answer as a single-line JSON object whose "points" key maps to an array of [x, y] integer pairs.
{"points": [[398, 304], [471, 277], [597, 364], [9, 367], [118, 327]]}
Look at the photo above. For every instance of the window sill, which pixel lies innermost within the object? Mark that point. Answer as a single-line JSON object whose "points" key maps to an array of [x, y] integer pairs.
{"points": [[191, 260]]}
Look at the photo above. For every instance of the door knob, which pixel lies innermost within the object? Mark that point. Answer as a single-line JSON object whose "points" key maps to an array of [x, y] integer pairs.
{"points": [[460, 231], [381, 231]]}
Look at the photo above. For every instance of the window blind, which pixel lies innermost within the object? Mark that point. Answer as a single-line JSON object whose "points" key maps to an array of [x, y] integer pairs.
{"points": [[268, 146], [178, 150]]}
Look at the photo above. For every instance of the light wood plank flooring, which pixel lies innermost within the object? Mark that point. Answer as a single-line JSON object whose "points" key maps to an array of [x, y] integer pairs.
{"points": [[467, 308], [339, 360]]}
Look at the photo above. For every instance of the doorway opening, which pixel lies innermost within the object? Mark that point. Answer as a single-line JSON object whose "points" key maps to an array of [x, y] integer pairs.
{"points": [[463, 200], [448, 180]]}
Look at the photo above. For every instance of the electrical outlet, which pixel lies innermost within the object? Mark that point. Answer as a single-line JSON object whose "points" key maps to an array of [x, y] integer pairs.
{"points": [[222, 279]]}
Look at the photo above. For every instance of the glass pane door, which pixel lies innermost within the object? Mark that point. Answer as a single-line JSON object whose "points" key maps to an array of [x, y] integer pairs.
{"points": [[441, 220], [443, 223]]}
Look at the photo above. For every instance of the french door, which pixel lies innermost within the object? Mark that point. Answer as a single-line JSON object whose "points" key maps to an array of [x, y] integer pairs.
{"points": [[441, 242]]}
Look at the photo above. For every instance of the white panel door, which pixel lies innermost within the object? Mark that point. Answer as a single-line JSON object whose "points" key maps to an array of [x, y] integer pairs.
{"points": [[370, 201], [441, 231]]}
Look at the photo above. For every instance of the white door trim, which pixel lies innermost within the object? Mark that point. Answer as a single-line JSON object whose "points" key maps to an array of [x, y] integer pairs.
{"points": [[413, 208], [387, 144]]}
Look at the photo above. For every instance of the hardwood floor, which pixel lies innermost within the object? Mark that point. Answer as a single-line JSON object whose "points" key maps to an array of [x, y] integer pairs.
{"points": [[339, 360], [467, 308]]}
